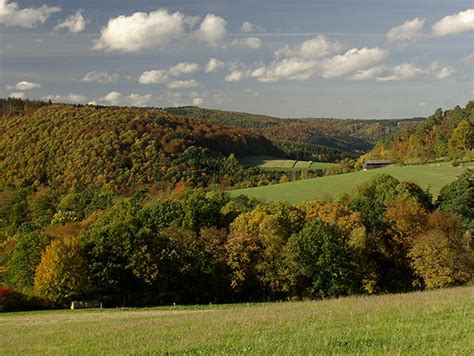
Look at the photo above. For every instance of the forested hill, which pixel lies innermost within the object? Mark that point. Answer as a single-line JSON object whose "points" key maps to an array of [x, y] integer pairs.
{"points": [[444, 135], [73, 146], [310, 138]]}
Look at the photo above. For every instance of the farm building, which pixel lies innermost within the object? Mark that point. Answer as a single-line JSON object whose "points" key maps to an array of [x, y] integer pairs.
{"points": [[372, 164]]}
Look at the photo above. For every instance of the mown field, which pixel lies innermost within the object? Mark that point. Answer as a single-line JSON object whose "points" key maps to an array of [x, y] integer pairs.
{"points": [[434, 322], [271, 163], [434, 176]]}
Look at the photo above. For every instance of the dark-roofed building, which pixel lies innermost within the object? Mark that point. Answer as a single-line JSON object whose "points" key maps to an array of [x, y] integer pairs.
{"points": [[376, 163]]}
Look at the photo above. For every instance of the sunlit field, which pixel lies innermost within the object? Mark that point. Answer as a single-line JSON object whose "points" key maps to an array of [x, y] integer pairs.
{"points": [[434, 176], [433, 322]]}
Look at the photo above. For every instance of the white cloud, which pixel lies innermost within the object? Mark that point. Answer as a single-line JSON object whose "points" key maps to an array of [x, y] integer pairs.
{"points": [[469, 58], [138, 99], [163, 76], [408, 31], [317, 47], [69, 98], [250, 42], [74, 23], [141, 31], [367, 74], [100, 77], [17, 95], [213, 65], [212, 30], [198, 101], [235, 76], [445, 72], [353, 60], [154, 77], [11, 15], [409, 71], [183, 68], [454, 24], [288, 68], [113, 98], [251, 27], [182, 84], [23, 85], [157, 29], [404, 71], [93, 102]]}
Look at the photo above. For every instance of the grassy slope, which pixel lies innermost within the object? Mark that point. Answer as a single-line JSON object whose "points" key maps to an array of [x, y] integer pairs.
{"points": [[435, 322], [434, 176]]}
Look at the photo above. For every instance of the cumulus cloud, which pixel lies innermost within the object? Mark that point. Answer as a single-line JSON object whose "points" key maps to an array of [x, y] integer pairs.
{"points": [[157, 29], [409, 71], [251, 27], [182, 84], [455, 24], [141, 31], [23, 85], [17, 95], [367, 74], [408, 31], [353, 60], [235, 76], [288, 68], [198, 101], [164, 76], [317, 47], [469, 58], [157, 76], [113, 98], [75, 23], [69, 98], [212, 30], [213, 65], [100, 77], [183, 68], [445, 72], [12, 15], [138, 99], [297, 68], [250, 42]]}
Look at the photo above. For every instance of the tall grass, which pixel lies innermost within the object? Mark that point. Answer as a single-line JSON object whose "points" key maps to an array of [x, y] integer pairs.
{"points": [[434, 322]]}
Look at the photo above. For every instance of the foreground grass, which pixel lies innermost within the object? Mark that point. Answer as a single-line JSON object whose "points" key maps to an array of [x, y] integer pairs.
{"points": [[434, 176], [435, 322]]}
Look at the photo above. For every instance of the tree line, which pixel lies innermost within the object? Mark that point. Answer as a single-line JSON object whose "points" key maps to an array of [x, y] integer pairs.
{"points": [[201, 246]]}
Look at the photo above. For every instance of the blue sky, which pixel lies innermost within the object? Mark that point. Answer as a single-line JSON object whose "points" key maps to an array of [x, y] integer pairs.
{"points": [[333, 58]]}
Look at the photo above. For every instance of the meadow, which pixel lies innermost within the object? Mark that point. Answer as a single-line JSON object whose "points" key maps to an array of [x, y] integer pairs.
{"points": [[281, 164], [434, 176], [431, 322]]}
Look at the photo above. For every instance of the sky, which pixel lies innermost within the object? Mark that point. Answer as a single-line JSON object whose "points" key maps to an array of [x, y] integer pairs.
{"points": [[371, 59]]}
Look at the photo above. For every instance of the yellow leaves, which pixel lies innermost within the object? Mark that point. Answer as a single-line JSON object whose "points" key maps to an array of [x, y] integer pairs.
{"points": [[60, 274], [348, 222], [408, 218]]}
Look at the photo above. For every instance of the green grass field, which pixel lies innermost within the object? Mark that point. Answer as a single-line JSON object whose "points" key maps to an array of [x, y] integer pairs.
{"points": [[272, 163], [434, 322], [434, 176]]}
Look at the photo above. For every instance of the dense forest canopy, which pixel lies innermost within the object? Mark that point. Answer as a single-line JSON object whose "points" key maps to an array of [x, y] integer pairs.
{"points": [[316, 139], [73, 146], [444, 135]]}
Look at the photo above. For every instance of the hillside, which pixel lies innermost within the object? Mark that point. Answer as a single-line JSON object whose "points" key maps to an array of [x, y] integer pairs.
{"points": [[308, 138], [431, 322], [432, 176], [445, 134], [72, 146]]}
